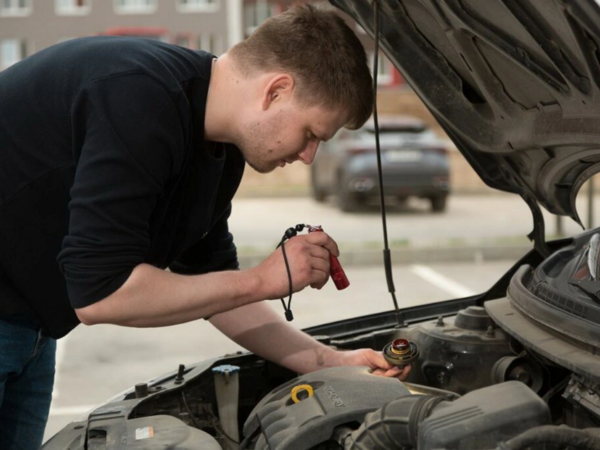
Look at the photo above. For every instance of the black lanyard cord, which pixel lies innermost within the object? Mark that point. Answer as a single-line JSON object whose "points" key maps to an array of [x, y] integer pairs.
{"points": [[287, 308], [289, 233]]}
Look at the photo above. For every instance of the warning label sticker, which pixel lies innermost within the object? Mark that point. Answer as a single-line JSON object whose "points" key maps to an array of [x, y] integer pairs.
{"points": [[144, 433]]}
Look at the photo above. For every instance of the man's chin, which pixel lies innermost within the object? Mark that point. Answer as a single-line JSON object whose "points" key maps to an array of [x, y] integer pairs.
{"points": [[262, 168]]}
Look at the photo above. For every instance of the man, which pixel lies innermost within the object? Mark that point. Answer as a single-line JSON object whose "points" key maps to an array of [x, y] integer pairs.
{"points": [[119, 158]]}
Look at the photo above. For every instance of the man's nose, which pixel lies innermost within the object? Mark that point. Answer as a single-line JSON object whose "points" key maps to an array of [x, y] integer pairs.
{"points": [[308, 154]]}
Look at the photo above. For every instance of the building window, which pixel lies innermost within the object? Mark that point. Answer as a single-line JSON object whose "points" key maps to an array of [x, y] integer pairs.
{"points": [[135, 6], [256, 13], [15, 7], [192, 6], [210, 43], [72, 7], [12, 51]]}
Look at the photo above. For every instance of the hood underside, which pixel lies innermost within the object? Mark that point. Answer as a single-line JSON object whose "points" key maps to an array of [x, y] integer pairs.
{"points": [[514, 83]]}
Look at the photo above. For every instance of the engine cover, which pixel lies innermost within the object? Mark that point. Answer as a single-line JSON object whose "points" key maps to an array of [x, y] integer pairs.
{"points": [[341, 395]]}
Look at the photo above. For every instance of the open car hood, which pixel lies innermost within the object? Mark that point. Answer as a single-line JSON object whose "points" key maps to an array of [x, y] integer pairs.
{"points": [[514, 83]]}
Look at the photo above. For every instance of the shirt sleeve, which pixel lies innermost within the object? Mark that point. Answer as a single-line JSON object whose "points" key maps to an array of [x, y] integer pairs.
{"points": [[128, 141], [215, 252]]}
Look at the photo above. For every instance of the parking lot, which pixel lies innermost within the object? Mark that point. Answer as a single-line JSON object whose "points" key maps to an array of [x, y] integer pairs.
{"points": [[259, 223]]}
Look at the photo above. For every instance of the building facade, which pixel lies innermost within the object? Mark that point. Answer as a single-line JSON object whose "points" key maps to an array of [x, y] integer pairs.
{"points": [[27, 26]]}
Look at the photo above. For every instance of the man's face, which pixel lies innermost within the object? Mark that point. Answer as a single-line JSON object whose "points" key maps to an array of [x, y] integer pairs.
{"points": [[286, 133]]}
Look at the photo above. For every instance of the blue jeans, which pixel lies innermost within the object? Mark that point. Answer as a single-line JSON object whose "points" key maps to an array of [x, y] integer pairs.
{"points": [[26, 379]]}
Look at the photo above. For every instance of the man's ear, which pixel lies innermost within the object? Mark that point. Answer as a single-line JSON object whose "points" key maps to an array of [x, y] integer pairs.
{"points": [[280, 88]]}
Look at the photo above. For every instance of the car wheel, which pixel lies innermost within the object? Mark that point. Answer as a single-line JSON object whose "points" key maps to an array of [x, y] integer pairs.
{"points": [[438, 204], [347, 201], [317, 192]]}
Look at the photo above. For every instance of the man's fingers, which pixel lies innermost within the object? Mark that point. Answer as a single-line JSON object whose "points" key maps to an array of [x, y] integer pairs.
{"points": [[309, 257], [406, 372], [323, 240], [319, 278], [319, 264], [317, 251], [394, 372]]}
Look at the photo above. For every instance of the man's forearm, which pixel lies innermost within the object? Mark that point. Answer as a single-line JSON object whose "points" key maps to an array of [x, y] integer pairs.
{"points": [[261, 330], [152, 297]]}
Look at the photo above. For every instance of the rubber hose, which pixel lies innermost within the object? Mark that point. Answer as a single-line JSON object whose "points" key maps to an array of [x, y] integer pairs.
{"points": [[394, 425], [556, 435]]}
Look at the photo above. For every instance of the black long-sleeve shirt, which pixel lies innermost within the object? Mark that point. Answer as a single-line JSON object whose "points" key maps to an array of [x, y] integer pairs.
{"points": [[103, 166]]}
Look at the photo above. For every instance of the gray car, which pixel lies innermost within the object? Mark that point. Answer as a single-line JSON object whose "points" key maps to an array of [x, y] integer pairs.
{"points": [[415, 164]]}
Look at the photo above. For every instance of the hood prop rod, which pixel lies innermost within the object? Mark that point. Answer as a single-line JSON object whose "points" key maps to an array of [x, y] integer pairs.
{"points": [[387, 257]]}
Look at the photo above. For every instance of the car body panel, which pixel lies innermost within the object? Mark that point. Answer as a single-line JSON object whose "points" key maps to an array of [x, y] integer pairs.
{"points": [[514, 84]]}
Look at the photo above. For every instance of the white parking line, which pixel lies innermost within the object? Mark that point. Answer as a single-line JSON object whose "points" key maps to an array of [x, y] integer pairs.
{"points": [[441, 281]]}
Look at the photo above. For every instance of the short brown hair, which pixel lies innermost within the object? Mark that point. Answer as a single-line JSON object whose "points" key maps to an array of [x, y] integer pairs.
{"points": [[322, 53]]}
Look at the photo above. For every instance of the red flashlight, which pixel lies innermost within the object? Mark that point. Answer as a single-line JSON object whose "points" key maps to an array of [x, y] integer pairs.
{"points": [[337, 273]]}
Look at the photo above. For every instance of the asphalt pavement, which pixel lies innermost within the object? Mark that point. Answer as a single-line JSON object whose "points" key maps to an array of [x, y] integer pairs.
{"points": [[474, 227]]}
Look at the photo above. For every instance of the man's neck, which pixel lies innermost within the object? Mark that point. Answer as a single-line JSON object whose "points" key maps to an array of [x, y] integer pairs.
{"points": [[220, 122]]}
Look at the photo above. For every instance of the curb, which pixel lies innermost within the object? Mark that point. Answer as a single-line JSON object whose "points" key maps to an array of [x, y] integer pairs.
{"points": [[404, 256]]}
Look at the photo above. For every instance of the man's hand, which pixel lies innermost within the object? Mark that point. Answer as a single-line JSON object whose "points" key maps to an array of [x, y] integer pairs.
{"points": [[261, 330], [308, 258], [374, 360]]}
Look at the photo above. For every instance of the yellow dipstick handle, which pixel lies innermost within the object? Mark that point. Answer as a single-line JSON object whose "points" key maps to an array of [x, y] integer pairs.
{"points": [[303, 387]]}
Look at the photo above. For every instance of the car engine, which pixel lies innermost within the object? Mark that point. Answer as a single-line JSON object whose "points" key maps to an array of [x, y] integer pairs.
{"points": [[412, 419], [474, 386]]}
